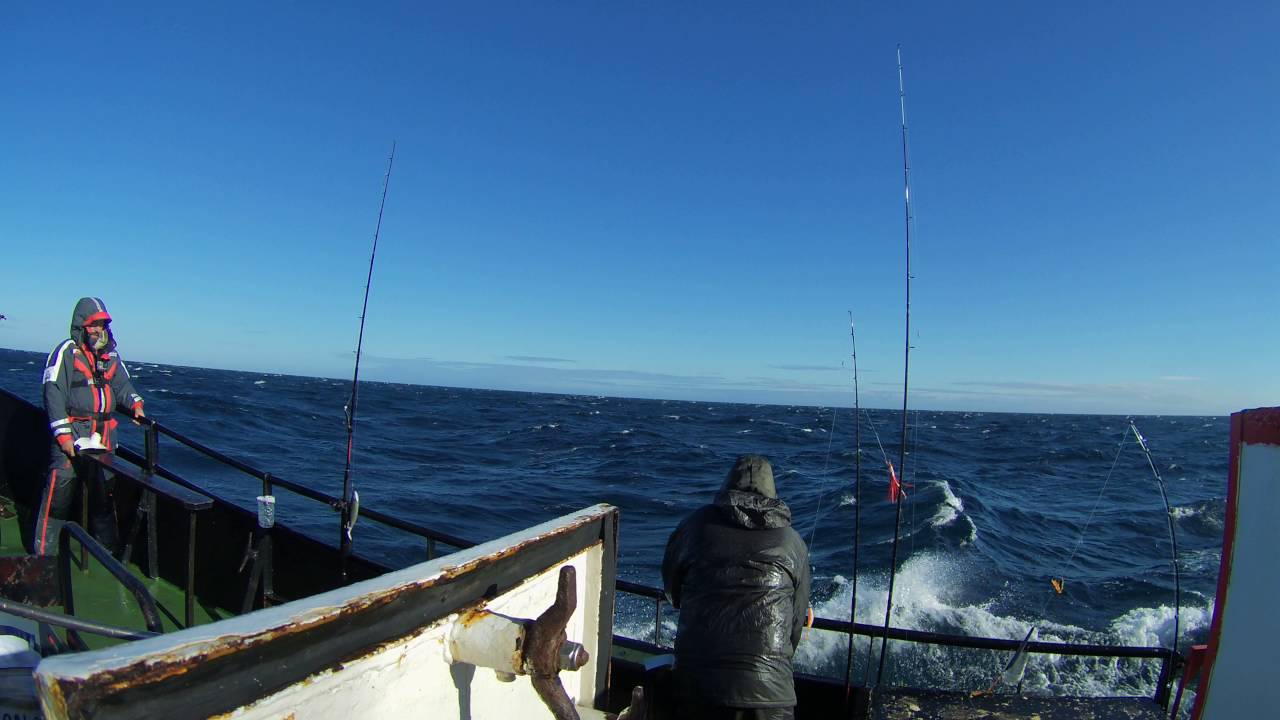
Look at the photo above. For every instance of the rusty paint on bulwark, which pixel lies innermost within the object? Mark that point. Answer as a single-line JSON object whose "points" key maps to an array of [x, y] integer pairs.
{"points": [[30, 579], [178, 661]]}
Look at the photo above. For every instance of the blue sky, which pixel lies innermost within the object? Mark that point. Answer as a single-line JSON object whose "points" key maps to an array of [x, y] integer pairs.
{"points": [[675, 200]]}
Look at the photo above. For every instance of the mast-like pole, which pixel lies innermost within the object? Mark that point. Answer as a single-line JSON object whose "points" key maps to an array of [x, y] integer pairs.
{"points": [[349, 499], [906, 360]]}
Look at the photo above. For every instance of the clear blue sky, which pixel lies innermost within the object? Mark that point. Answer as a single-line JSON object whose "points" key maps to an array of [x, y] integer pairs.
{"points": [[674, 200]]}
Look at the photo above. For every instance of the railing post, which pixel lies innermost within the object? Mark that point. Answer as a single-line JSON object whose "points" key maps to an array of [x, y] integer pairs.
{"points": [[431, 548], [84, 521], [190, 614], [1168, 666], [265, 547], [657, 621], [153, 545], [151, 442]]}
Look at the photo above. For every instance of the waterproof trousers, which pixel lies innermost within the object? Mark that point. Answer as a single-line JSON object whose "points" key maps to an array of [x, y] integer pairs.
{"points": [[68, 479]]}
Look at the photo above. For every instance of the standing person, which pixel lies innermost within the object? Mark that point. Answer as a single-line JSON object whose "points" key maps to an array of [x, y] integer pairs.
{"points": [[739, 574], [84, 380]]}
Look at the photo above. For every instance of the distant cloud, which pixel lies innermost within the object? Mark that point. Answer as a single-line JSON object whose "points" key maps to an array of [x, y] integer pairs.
{"points": [[560, 375], [524, 373], [538, 359], [1144, 398], [1033, 389]]}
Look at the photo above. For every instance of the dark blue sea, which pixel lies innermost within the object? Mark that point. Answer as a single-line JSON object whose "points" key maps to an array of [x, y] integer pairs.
{"points": [[1000, 502]]}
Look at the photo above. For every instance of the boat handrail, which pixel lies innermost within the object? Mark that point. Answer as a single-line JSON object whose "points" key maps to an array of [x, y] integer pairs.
{"points": [[146, 603], [71, 622], [270, 481], [981, 643]]}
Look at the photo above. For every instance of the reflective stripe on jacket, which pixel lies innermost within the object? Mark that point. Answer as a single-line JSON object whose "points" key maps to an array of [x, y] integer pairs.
{"points": [[81, 392]]}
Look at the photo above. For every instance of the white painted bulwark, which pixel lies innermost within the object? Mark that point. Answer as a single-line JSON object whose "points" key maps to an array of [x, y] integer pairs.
{"points": [[1246, 663], [409, 675], [414, 678]]}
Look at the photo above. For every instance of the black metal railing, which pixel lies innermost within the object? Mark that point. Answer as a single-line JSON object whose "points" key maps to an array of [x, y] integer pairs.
{"points": [[1169, 662], [71, 622], [146, 603], [150, 460]]}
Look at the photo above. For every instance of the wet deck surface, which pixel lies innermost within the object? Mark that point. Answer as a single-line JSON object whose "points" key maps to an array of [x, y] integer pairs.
{"points": [[904, 704]]}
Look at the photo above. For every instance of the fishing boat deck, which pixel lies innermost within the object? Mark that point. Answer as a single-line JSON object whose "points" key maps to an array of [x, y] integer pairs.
{"points": [[97, 595], [903, 703]]}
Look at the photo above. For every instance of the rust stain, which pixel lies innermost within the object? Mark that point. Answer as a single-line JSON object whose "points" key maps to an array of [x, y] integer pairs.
{"points": [[30, 579]]}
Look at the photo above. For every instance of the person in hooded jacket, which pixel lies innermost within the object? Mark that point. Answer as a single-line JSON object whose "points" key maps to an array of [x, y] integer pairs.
{"points": [[84, 381], [739, 574]]}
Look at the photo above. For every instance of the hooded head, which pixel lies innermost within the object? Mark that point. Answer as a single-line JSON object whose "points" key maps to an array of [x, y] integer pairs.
{"points": [[88, 309], [748, 497], [751, 473]]}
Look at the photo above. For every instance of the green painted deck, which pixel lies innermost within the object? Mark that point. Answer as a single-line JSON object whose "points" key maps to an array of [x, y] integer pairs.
{"points": [[97, 596]]}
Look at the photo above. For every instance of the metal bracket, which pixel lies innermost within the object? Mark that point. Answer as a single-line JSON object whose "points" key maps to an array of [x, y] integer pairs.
{"points": [[542, 650], [516, 646]]}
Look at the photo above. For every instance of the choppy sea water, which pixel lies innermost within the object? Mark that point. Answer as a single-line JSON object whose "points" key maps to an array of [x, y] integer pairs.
{"points": [[1000, 502]]}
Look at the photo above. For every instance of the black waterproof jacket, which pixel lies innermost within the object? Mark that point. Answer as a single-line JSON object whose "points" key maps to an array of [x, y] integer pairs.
{"points": [[739, 574]]}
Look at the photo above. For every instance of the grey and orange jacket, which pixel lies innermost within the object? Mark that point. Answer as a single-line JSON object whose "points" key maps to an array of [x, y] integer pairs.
{"points": [[82, 387]]}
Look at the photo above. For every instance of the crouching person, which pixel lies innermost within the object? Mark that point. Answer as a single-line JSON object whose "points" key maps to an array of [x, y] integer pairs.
{"points": [[739, 574]]}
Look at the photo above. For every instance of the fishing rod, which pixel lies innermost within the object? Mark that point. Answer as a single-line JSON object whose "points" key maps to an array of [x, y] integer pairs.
{"points": [[350, 498], [1173, 540], [1013, 671], [906, 359], [1017, 665], [857, 509]]}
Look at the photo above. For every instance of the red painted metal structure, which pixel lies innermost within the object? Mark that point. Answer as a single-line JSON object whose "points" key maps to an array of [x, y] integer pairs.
{"points": [[1258, 427]]}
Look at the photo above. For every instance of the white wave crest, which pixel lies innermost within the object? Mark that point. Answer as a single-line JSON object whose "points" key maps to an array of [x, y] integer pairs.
{"points": [[951, 506], [1153, 627], [923, 599]]}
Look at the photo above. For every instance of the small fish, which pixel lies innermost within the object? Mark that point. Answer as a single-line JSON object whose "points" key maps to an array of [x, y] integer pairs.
{"points": [[1014, 671]]}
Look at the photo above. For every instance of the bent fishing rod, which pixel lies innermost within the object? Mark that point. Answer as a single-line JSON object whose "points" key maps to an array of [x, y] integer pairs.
{"points": [[350, 498], [906, 360]]}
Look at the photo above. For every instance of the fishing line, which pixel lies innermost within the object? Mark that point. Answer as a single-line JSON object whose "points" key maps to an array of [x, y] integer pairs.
{"points": [[866, 415], [915, 440], [822, 489], [1088, 521]]}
